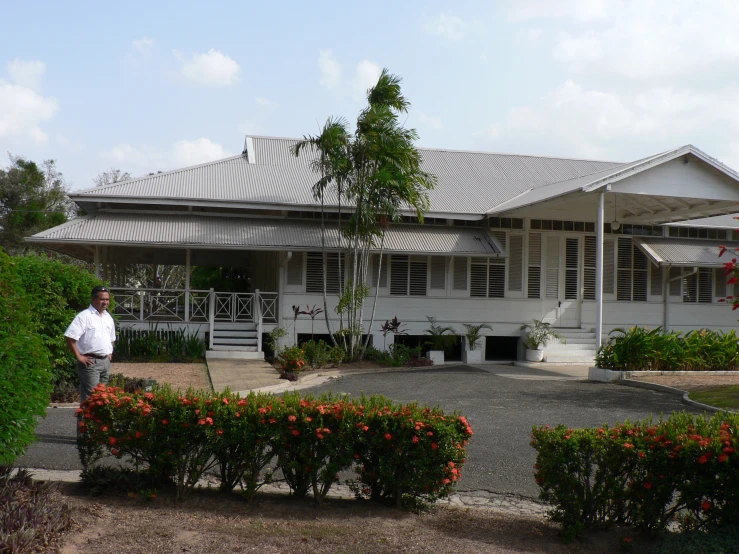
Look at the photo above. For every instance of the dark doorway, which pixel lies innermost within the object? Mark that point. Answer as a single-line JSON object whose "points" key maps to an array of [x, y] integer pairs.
{"points": [[501, 348]]}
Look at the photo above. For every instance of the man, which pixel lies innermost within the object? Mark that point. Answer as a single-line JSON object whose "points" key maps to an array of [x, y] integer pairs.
{"points": [[90, 337]]}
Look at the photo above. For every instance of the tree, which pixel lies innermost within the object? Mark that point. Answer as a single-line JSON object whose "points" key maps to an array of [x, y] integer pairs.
{"points": [[376, 172], [111, 176], [32, 199]]}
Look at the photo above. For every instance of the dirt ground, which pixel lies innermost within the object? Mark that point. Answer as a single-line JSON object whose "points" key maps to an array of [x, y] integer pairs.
{"points": [[694, 382], [210, 522], [179, 376]]}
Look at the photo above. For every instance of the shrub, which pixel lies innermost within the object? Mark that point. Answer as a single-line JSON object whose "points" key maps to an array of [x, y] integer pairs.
{"points": [[640, 349], [722, 541], [316, 353], [682, 469], [169, 345], [25, 370], [292, 359]]}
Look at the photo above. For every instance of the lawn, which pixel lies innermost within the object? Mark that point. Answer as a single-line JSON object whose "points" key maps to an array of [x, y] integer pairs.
{"points": [[721, 397]]}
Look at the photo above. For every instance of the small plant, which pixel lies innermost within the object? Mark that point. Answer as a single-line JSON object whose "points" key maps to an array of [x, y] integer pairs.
{"points": [[539, 334], [273, 339], [316, 353], [292, 359], [473, 333], [441, 337], [393, 326]]}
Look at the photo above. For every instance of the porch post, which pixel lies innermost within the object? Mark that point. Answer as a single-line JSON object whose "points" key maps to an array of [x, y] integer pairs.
{"points": [[258, 317], [187, 285], [211, 316], [599, 272], [96, 261]]}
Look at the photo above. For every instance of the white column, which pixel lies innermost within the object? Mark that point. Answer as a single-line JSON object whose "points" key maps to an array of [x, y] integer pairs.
{"points": [[96, 261], [187, 285], [599, 272]]}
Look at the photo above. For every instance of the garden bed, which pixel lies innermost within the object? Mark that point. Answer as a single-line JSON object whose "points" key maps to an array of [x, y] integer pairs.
{"points": [[178, 376]]}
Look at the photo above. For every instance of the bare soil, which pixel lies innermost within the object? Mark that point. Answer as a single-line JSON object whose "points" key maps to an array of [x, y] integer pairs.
{"points": [[210, 522], [179, 376], [696, 382]]}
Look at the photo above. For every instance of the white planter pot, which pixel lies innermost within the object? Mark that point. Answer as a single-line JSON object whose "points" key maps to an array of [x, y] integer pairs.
{"points": [[436, 356], [534, 355], [472, 356]]}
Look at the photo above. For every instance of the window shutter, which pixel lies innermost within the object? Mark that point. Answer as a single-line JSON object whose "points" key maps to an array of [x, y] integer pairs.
{"points": [[460, 273], [314, 272], [609, 269], [676, 285], [496, 280], [720, 283], [655, 280], [383, 270], [552, 277], [418, 276], [479, 277], [399, 275], [572, 258], [690, 288], [534, 271], [438, 273], [515, 263], [295, 270], [705, 285], [589, 255], [623, 283], [641, 269]]}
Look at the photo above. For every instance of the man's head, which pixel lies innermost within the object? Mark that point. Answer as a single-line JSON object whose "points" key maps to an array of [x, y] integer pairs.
{"points": [[100, 299]]}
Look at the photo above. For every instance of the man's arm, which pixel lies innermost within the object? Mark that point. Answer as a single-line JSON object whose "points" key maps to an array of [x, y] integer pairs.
{"points": [[72, 344]]}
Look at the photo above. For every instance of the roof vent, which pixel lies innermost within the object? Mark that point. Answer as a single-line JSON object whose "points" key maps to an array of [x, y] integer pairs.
{"points": [[249, 150]]}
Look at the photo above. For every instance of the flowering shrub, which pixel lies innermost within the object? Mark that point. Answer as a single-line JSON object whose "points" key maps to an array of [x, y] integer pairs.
{"points": [[400, 452], [647, 474], [292, 359]]}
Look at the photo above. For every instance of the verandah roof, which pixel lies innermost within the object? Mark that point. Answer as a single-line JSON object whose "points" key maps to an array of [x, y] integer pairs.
{"points": [[201, 231], [685, 252]]}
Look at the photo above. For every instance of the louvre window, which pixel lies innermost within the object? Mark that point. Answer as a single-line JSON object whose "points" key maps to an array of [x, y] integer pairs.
{"points": [[314, 272], [655, 281], [633, 269], [720, 283], [699, 286], [460, 273], [609, 267], [515, 263], [572, 272], [408, 275], [487, 278], [438, 273], [552, 275], [534, 266], [589, 262], [295, 270], [372, 276]]}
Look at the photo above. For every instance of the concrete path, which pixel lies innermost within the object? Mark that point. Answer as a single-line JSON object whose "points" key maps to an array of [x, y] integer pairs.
{"points": [[242, 375]]}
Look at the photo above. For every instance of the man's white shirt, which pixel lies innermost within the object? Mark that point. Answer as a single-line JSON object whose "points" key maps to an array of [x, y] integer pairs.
{"points": [[93, 331]]}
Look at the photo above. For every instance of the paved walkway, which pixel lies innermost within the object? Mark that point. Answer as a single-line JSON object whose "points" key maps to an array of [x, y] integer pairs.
{"points": [[242, 375]]}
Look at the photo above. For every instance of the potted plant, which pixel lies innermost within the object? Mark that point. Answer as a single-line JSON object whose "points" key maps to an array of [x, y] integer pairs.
{"points": [[441, 337], [538, 334], [472, 336]]}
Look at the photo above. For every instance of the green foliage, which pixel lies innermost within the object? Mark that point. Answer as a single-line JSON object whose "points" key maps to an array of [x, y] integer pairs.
{"points": [[682, 469], [319, 354], [32, 199], [25, 371], [720, 541], [233, 279], [292, 359], [639, 349], [153, 344], [441, 337], [539, 334], [56, 292], [399, 453], [273, 338], [473, 333]]}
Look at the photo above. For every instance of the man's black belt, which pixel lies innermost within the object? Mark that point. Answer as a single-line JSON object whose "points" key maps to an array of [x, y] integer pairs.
{"points": [[98, 356]]}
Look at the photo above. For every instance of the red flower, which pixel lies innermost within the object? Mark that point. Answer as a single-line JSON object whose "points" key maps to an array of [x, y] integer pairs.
{"points": [[357, 456], [104, 428], [723, 458], [415, 440], [705, 505], [112, 440], [165, 422], [647, 486], [114, 451], [225, 400], [434, 446], [291, 418], [219, 432], [703, 459], [628, 445], [209, 420], [139, 434], [388, 437], [296, 432]]}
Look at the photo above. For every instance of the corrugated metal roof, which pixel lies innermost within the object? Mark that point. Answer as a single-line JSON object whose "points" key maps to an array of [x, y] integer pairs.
{"points": [[208, 231], [684, 252], [717, 222], [468, 182]]}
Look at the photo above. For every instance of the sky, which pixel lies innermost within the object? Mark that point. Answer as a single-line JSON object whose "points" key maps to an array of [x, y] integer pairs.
{"points": [[154, 86]]}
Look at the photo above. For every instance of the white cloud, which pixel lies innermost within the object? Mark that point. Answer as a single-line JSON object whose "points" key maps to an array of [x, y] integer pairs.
{"points": [[579, 10], [530, 37], [143, 46], [266, 103], [366, 77], [23, 109], [251, 127], [212, 68], [330, 69], [182, 153], [492, 131], [429, 121], [447, 25], [26, 73]]}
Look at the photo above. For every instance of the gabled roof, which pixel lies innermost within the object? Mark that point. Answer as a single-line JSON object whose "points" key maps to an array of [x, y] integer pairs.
{"points": [[469, 183]]}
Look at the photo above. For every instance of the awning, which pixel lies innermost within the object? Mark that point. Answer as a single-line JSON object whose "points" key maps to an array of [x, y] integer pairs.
{"points": [[224, 232], [685, 252]]}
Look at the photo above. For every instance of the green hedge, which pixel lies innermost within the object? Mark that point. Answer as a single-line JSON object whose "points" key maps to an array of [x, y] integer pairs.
{"points": [[682, 469], [400, 453], [25, 378], [642, 349], [56, 291]]}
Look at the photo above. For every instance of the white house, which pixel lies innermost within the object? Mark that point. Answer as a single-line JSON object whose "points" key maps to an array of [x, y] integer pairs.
{"points": [[586, 245]]}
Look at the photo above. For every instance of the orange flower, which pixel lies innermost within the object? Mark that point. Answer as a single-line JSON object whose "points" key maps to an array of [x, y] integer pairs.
{"points": [[388, 437], [112, 440], [219, 432], [705, 505], [628, 445], [434, 446], [291, 418]]}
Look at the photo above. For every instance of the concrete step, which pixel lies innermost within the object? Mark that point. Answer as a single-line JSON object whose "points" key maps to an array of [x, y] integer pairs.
{"points": [[575, 340], [222, 333], [578, 356], [569, 347], [231, 347], [235, 341], [233, 355], [575, 333], [235, 326]]}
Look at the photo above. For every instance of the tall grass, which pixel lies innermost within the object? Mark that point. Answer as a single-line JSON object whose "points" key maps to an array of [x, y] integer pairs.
{"points": [[641, 349], [154, 344]]}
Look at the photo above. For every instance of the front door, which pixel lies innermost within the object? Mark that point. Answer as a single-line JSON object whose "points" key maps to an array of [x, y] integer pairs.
{"points": [[563, 279]]}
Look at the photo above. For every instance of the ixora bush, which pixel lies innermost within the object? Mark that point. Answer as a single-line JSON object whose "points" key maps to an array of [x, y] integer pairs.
{"points": [[682, 469], [25, 370], [642, 349], [403, 454]]}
